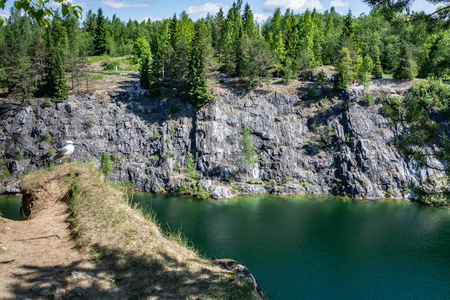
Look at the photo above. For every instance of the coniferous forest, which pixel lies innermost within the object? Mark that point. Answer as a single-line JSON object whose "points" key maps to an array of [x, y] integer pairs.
{"points": [[174, 56]]}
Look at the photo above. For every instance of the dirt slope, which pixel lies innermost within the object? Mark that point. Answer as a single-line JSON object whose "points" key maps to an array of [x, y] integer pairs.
{"points": [[105, 250]]}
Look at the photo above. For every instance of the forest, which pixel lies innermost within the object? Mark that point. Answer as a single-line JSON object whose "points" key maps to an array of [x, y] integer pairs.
{"points": [[175, 56]]}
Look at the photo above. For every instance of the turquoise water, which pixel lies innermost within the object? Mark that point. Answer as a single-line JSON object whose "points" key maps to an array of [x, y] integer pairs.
{"points": [[321, 247], [10, 207]]}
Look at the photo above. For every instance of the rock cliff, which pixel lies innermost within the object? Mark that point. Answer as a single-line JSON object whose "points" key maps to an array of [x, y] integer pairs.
{"points": [[343, 147]]}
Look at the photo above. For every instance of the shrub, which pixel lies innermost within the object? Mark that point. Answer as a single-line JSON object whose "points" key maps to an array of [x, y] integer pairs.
{"points": [[156, 134], [106, 164], [20, 155], [312, 92], [46, 104], [325, 102], [190, 165], [5, 174], [368, 99]]}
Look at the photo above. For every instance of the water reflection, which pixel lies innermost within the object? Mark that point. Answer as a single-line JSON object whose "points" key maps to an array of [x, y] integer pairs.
{"points": [[321, 247]]}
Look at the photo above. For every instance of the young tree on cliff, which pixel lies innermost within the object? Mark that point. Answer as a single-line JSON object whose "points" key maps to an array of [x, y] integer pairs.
{"points": [[248, 157], [198, 93], [364, 70]]}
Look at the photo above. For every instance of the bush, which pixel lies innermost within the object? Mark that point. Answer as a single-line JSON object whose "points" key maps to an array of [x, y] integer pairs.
{"points": [[106, 164], [325, 102], [46, 104], [312, 92], [368, 99], [110, 65]]}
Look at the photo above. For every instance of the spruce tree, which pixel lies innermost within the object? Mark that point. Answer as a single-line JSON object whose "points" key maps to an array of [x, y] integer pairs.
{"points": [[144, 72], [55, 81], [101, 34], [377, 71], [198, 93], [406, 66]]}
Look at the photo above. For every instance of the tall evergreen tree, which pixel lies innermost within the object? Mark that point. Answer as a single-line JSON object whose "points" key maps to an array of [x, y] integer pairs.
{"points": [[377, 71], [144, 72], [406, 66], [55, 81], [198, 93], [101, 40]]}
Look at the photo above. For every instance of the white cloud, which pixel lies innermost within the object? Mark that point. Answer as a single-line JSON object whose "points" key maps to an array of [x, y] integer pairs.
{"points": [[120, 4], [201, 11], [145, 19], [260, 18], [4, 13], [84, 5], [295, 5], [339, 3]]}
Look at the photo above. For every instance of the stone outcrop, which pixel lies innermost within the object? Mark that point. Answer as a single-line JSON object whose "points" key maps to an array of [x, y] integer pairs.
{"points": [[303, 147]]}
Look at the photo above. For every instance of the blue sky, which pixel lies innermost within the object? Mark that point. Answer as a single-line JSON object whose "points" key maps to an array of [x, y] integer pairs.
{"points": [[157, 9]]}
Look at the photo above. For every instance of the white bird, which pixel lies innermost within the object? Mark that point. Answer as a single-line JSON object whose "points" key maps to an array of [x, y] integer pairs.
{"points": [[64, 152]]}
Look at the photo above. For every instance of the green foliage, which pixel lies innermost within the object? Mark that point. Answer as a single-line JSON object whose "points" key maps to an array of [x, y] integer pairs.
{"points": [[389, 193], [156, 134], [114, 158], [106, 164], [48, 137], [325, 102], [198, 93], [46, 104], [177, 167], [55, 80], [5, 174], [423, 139], [144, 72], [406, 67], [368, 98], [248, 157], [327, 135], [20, 155], [101, 35], [50, 151], [313, 92], [190, 167], [141, 50], [377, 70]]}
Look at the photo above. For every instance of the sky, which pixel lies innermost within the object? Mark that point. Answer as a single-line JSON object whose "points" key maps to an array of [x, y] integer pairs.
{"points": [[262, 9]]}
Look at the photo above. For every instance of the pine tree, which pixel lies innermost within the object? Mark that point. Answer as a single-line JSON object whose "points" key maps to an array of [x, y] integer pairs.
{"points": [[198, 93], [344, 74], [55, 81], [377, 71], [101, 44], [406, 66], [144, 72], [247, 21]]}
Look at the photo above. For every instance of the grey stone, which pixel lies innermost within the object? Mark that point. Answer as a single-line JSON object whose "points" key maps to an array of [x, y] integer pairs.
{"points": [[358, 160], [45, 292], [79, 275]]}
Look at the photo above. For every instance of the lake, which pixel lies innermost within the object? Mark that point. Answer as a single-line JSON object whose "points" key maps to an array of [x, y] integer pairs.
{"points": [[10, 207], [320, 247]]}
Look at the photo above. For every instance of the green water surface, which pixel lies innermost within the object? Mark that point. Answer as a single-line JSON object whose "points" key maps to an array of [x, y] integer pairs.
{"points": [[320, 247], [10, 207]]}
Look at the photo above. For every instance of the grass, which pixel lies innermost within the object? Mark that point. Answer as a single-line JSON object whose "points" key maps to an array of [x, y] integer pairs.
{"points": [[129, 240]]}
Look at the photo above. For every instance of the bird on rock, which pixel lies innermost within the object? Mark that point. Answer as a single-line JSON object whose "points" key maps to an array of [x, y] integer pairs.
{"points": [[64, 152]]}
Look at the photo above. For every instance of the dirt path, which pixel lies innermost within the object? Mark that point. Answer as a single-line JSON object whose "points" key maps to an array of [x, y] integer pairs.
{"points": [[39, 259]]}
